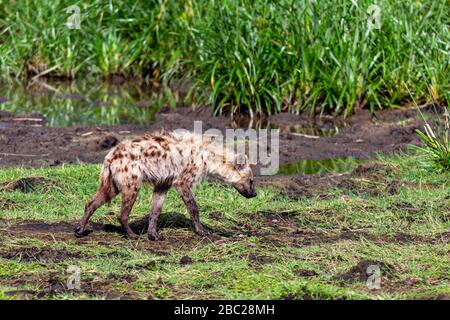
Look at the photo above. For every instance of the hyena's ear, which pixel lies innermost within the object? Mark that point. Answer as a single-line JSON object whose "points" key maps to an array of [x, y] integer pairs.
{"points": [[241, 162]]}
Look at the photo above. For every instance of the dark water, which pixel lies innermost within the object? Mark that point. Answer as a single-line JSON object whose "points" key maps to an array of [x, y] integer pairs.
{"points": [[95, 102], [87, 102], [312, 129], [335, 165]]}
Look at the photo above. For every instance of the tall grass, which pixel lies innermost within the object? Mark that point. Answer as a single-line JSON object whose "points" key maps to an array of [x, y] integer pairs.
{"points": [[242, 56]]}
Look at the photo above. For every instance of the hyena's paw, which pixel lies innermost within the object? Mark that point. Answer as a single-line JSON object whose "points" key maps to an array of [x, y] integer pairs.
{"points": [[133, 236], [155, 236], [80, 232], [201, 231]]}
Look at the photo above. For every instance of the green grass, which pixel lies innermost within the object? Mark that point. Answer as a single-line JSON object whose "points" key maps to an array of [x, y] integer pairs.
{"points": [[241, 56], [263, 248]]}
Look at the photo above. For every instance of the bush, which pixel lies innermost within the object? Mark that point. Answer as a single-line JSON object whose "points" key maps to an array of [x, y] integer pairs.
{"points": [[436, 150]]}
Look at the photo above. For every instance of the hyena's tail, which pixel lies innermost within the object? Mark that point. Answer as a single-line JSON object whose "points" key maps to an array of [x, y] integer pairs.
{"points": [[107, 188]]}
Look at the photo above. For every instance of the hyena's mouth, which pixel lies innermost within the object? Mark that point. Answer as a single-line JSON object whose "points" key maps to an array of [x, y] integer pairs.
{"points": [[248, 193]]}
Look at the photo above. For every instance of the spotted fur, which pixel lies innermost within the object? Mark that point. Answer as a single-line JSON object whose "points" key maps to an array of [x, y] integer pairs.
{"points": [[165, 160]]}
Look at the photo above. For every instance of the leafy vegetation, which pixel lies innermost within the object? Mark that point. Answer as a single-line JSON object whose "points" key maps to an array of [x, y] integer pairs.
{"points": [[241, 56]]}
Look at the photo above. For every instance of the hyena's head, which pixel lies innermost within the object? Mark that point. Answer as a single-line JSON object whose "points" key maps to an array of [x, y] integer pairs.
{"points": [[241, 177]]}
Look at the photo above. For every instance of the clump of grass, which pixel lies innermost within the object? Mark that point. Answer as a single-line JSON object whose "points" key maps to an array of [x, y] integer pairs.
{"points": [[242, 56], [436, 149]]}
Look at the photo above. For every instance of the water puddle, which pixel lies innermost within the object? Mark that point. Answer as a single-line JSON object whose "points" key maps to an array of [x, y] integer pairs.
{"points": [[334, 165], [311, 130], [87, 102]]}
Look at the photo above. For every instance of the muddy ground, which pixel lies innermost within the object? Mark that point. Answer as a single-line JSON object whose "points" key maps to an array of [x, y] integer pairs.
{"points": [[26, 141]]}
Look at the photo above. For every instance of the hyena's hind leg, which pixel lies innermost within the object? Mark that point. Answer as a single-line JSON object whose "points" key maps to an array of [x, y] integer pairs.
{"points": [[159, 195], [129, 195], [102, 196], [191, 205]]}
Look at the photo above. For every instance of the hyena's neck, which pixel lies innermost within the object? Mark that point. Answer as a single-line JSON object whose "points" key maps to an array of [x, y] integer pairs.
{"points": [[209, 157], [219, 162]]}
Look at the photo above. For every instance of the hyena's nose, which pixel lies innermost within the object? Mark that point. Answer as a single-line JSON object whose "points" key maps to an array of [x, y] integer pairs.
{"points": [[251, 194]]}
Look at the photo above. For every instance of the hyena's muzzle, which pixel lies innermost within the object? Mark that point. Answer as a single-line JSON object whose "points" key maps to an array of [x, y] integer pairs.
{"points": [[247, 188]]}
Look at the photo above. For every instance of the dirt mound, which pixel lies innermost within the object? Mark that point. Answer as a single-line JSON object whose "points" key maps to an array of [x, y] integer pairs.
{"points": [[7, 204], [259, 259], [25, 185], [361, 271], [371, 168], [107, 142], [305, 273], [186, 260]]}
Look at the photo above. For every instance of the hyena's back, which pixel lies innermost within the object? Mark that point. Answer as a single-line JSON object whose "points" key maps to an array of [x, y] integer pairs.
{"points": [[161, 159]]}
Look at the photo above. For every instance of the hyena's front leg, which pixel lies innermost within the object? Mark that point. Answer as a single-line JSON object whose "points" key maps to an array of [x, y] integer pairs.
{"points": [[191, 204], [159, 195]]}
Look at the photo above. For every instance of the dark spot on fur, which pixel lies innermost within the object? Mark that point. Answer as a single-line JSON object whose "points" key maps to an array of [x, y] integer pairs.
{"points": [[117, 155], [159, 139]]}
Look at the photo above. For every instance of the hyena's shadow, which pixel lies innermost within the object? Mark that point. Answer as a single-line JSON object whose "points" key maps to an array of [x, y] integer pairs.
{"points": [[171, 220]]}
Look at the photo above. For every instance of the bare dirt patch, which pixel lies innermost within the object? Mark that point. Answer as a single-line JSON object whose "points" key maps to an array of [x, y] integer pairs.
{"points": [[41, 255], [361, 137]]}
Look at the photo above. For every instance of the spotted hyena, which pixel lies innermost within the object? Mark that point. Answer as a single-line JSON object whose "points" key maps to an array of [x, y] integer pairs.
{"points": [[165, 160]]}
